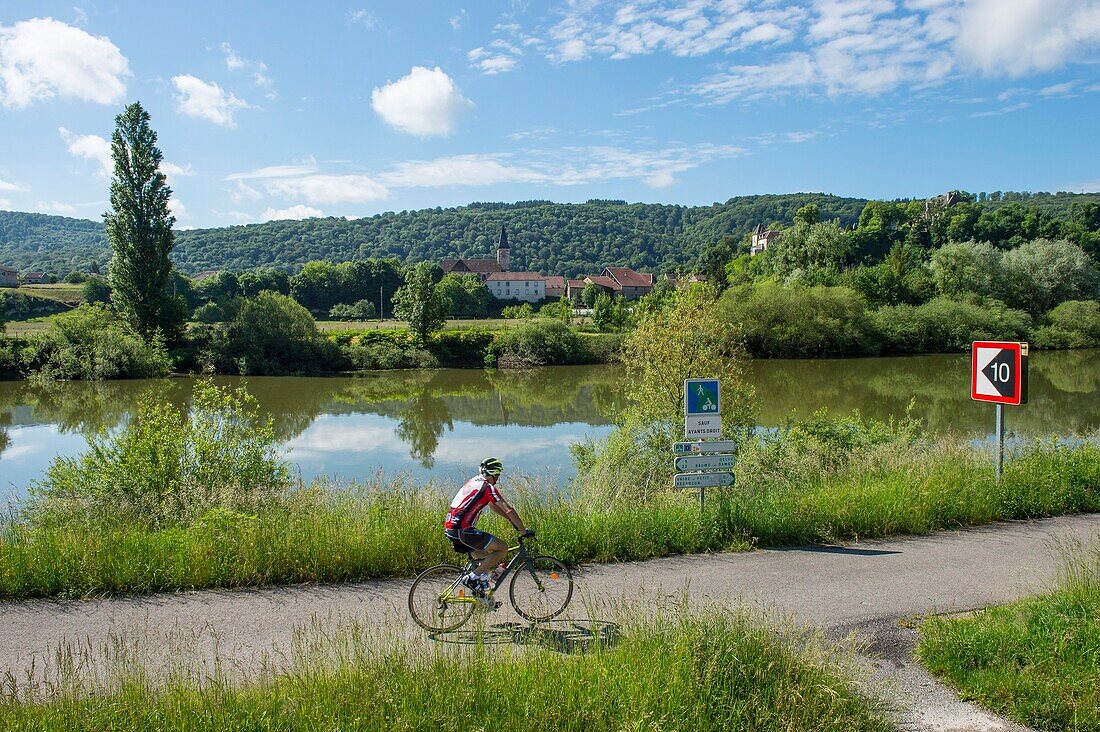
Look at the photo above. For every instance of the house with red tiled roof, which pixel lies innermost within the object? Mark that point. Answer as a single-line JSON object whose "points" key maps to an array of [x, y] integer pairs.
{"points": [[632, 285], [36, 278], [9, 277], [483, 268], [555, 286], [526, 286]]}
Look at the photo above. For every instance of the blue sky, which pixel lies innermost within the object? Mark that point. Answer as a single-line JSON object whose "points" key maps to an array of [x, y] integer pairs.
{"points": [[289, 110]]}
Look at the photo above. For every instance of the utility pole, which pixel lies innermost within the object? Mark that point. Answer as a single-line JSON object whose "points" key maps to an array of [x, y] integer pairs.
{"points": [[380, 311]]}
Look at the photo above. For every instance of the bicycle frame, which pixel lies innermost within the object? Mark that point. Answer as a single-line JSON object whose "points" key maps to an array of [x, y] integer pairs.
{"points": [[520, 555]]}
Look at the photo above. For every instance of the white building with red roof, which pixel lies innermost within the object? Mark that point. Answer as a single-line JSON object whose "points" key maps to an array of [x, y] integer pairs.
{"points": [[526, 286]]}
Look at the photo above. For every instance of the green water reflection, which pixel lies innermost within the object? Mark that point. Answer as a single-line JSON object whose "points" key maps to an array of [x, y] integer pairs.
{"points": [[418, 409]]}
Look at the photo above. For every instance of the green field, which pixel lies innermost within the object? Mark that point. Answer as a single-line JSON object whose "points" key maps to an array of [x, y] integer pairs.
{"points": [[61, 292], [1036, 661], [22, 328]]}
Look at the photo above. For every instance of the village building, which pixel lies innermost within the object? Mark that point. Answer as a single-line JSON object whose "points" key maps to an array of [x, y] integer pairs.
{"points": [[760, 239], [615, 281], [9, 277], [555, 286], [526, 286], [483, 268], [36, 278]]}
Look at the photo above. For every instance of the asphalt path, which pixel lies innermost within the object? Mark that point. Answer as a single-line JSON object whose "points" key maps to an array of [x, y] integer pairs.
{"points": [[863, 588]]}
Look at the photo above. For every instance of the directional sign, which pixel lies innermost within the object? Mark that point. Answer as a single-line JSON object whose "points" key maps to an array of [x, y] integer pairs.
{"points": [[701, 397], [999, 372], [699, 426], [702, 480], [706, 462], [703, 448]]}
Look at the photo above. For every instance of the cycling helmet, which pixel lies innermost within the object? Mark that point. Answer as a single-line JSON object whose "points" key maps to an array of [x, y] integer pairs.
{"points": [[491, 466]]}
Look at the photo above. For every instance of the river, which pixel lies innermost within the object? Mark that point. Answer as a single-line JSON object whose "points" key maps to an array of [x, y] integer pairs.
{"points": [[440, 423]]}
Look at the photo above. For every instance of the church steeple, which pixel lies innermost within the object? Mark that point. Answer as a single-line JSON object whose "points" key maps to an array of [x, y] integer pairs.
{"points": [[504, 252]]}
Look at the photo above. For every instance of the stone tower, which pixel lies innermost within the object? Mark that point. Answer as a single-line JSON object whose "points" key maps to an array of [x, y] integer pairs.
{"points": [[504, 252]]}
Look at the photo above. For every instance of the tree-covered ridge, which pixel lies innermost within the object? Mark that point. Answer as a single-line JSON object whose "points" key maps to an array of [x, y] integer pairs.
{"points": [[559, 238]]}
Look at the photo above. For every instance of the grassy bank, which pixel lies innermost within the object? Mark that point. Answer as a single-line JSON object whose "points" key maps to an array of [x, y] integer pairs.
{"points": [[1035, 661], [671, 670], [392, 528]]}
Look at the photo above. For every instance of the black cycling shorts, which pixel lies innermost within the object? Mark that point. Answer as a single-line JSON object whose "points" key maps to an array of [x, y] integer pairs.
{"points": [[467, 540]]}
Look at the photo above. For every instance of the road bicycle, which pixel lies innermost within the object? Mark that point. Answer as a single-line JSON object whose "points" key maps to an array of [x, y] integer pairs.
{"points": [[540, 589]]}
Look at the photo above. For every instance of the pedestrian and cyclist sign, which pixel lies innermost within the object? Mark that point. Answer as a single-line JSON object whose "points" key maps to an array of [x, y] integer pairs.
{"points": [[998, 372], [702, 413]]}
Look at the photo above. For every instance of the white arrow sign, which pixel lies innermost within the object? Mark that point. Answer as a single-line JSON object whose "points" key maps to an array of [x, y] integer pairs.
{"points": [[702, 480], [706, 462]]}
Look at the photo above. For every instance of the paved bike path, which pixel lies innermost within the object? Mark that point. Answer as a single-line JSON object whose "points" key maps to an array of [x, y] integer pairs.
{"points": [[833, 587]]}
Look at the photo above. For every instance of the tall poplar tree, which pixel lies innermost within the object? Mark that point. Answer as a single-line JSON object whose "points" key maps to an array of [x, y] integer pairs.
{"points": [[139, 229]]}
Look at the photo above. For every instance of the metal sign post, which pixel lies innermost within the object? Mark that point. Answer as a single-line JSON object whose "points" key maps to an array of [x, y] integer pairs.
{"points": [[998, 374], [703, 465]]}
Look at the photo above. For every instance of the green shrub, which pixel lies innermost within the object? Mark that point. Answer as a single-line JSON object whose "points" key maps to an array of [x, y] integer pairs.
{"points": [[208, 312], [18, 306], [799, 322], [94, 342], [362, 310], [272, 334], [603, 347], [538, 343], [518, 312], [945, 325], [10, 360], [96, 289], [464, 347], [1073, 324], [387, 355], [165, 469]]}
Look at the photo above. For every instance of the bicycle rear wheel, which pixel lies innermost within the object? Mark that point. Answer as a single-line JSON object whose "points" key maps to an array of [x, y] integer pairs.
{"points": [[438, 601], [541, 590]]}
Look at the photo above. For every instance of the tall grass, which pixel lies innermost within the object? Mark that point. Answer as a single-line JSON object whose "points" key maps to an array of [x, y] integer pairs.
{"points": [[391, 527], [672, 669], [1035, 661]]}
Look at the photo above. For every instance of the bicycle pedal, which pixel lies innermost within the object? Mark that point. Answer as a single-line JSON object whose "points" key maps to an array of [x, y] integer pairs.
{"points": [[497, 604]]}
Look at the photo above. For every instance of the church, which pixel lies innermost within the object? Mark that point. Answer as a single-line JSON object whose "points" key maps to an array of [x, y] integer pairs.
{"points": [[482, 267]]}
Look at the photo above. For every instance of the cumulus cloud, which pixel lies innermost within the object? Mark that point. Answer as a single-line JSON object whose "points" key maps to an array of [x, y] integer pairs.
{"points": [[55, 207], [257, 69], [10, 187], [329, 189], [293, 212], [364, 18], [90, 147], [425, 103], [492, 63], [1025, 36], [206, 100], [44, 58], [5, 203], [173, 172]]}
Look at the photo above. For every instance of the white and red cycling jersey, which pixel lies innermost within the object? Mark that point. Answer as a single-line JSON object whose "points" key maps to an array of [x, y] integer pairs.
{"points": [[471, 499]]}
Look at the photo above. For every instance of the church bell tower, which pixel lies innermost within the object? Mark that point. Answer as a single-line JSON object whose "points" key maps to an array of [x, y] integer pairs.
{"points": [[504, 252]]}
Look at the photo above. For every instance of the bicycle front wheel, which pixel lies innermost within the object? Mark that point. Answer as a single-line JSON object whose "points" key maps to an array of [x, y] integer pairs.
{"points": [[438, 601], [541, 590]]}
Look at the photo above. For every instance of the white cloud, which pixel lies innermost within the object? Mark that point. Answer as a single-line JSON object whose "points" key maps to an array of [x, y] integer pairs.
{"points": [[456, 20], [55, 207], [5, 203], [293, 212], [258, 69], [329, 189], [425, 103], [172, 171], [767, 33], [277, 171], [10, 187], [1058, 90], [206, 100], [504, 59], [1024, 36], [90, 147], [178, 209], [364, 18], [497, 64], [44, 58], [1003, 110], [239, 216]]}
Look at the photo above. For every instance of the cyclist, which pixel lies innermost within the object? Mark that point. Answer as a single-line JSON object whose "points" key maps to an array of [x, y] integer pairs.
{"points": [[460, 525]]}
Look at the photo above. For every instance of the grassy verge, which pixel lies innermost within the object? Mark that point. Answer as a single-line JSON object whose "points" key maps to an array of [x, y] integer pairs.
{"points": [[698, 671], [392, 528], [1035, 661]]}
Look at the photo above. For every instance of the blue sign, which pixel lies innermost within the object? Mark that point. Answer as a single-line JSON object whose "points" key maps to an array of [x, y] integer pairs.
{"points": [[700, 397]]}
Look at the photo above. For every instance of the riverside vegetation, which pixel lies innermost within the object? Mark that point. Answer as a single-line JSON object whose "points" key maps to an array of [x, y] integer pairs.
{"points": [[164, 503], [667, 668], [1036, 661]]}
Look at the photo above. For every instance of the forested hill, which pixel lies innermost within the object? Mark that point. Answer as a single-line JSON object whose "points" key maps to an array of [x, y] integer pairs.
{"points": [[548, 237]]}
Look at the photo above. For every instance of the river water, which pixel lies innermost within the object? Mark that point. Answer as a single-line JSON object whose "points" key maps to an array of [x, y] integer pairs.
{"points": [[440, 423]]}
